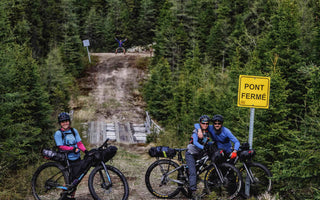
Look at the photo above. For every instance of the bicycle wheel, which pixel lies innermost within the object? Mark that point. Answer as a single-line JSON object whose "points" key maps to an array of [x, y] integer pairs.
{"points": [[102, 186], [229, 186], [261, 178], [49, 180], [160, 178]]}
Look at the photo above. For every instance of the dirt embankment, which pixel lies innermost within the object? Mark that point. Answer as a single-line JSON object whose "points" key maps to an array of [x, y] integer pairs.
{"points": [[111, 90]]}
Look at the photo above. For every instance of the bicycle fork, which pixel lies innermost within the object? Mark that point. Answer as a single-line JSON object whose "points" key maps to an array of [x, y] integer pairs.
{"points": [[249, 173], [106, 184], [222, 180]]}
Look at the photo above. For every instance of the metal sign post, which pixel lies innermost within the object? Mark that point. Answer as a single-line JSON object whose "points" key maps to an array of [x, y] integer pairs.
{"points": [[253, 92], [251, 127], [86, 43]]}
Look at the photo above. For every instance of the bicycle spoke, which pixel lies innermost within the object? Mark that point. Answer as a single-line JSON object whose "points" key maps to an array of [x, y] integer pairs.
{"points": [[161, 179], [111, 185], [224, 182], [261, 179], [49, 182]]}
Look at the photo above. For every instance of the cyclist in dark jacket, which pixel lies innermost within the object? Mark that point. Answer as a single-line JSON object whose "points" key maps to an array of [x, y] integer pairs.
{"points": [[222, 136], [68, 139]]}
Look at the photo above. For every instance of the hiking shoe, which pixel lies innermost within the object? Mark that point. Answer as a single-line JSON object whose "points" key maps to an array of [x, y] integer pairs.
{"points": [[194, 195], [69, 198]]}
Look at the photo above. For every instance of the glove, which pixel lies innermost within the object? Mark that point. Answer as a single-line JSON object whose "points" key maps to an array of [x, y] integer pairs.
{"points": [[75, 150], [233, 155], [86, 152]]}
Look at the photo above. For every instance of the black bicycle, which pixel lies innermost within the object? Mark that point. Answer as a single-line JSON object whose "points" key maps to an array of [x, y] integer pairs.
{"points": [[52, 180], [257, 178], [165, 178]]}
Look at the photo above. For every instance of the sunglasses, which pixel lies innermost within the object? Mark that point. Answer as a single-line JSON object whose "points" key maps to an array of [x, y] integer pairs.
{"points": [[205, 123], [217, 123]]}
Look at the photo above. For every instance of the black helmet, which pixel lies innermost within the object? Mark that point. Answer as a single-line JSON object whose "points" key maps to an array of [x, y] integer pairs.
{"points": [[63, 117], [217, 118], [204, 118]]}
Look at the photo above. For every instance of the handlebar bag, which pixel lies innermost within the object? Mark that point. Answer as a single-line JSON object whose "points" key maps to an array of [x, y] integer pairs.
{"points": [[218, 156], [248, 154], [108, 153], [162, 151], [53, 155]]}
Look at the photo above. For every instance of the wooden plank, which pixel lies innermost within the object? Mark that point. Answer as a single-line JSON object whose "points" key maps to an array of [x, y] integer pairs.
{"points": [[139, 129], [140, 135]]}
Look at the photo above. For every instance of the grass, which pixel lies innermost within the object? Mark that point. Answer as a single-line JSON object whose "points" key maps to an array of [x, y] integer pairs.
{"points": [[131, 160]]}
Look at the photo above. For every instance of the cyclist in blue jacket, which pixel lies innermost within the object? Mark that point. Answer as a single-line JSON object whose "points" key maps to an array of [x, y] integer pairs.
{"points": [[222, 136], [68, 139], [194, 152]]}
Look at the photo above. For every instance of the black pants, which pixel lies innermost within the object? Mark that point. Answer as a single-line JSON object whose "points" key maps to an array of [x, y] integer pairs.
{"points": [[75, 169]]}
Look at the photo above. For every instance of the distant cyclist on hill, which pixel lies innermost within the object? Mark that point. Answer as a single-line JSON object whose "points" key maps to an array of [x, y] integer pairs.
{"points": [[120, 42]]}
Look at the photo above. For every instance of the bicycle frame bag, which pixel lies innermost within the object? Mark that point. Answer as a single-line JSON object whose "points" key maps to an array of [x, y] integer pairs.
{"points": [[53, 155], [162, 151]]}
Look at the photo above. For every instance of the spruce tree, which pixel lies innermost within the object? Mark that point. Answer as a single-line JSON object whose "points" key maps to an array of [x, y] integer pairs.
{"points": [[158, 91], [25, 107]]}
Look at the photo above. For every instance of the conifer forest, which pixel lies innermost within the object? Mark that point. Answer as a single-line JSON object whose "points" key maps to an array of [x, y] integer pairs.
{"points": [[200, 49]]}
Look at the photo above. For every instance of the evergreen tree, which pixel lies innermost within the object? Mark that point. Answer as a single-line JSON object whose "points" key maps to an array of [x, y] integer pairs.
{"points": [[116, 25], [71, 46], [282, 40], [25, 108], [158, 91], [146, 23], [94, 30], [57, 80]]}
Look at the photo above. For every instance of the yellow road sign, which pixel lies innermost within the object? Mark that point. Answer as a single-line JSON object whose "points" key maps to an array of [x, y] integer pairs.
{"points": [[254, 91]]}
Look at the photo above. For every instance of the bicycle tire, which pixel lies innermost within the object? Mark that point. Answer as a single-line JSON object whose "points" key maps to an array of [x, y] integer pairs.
{"points": [[48, 180], [100, 187], [231, 185], [262, 177], [159, 184]]}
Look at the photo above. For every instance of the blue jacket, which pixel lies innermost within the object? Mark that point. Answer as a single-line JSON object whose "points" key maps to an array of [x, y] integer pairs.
{"points": [[224, 139], [121, 42]]}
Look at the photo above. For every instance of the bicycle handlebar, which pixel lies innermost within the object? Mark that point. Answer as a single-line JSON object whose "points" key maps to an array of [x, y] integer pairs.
{"points": [[105, 144]]}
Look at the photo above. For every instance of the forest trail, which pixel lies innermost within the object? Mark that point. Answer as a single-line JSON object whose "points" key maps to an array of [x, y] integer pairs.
{"points": [[111, 98], [113, 86], [111, 90]]}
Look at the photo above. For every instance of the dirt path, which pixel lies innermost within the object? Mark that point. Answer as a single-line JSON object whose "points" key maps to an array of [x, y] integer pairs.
{"points": [[111, 89], [110, 92]]}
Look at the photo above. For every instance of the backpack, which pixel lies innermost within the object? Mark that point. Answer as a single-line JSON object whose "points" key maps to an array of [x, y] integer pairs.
{"points": [[63, 135]]}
